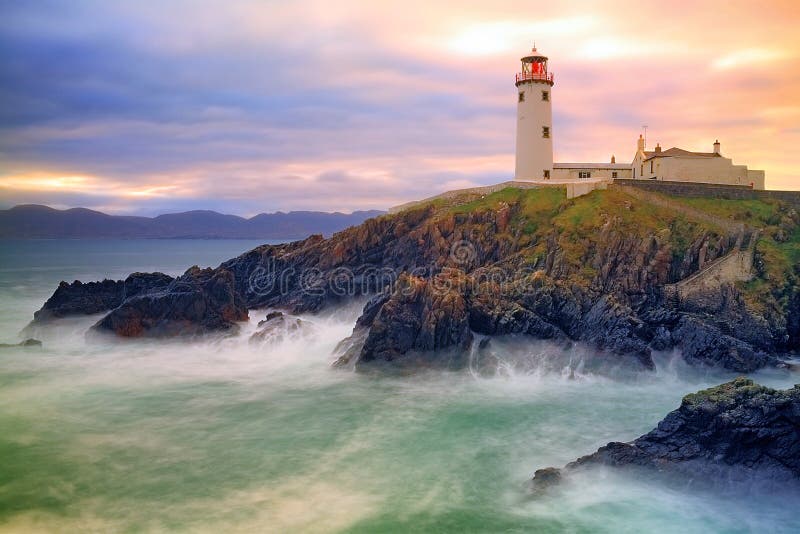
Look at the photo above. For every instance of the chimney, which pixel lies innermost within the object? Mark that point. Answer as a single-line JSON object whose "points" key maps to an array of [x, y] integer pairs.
{"points": [[658, 148], [640, 143], [613, 159], [716, 147]]}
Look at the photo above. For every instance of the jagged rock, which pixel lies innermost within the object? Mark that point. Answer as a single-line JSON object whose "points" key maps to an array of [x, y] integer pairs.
{"points": [[545, 478], [737, 432], [493, 313], [277, 327], [140, 283], [704, 345], [199, 301], [593, 274], [615, 328], [80, 298], [348, 350], [420, 317], [30, 342]]}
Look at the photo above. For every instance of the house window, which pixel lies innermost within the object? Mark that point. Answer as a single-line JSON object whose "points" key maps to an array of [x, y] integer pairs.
{"points": [[613, 174], [641, 170], [546, 96], [651, 166], [584, 174], [546, 174], [546, 132], [521, 97]]}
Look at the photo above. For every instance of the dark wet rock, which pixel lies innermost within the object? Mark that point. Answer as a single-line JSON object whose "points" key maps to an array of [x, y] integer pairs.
{"points": [[89, 298], [278, 327], [493, 313], [704, 345], [349, 349], [199, 301], [595, 277], [546, 478], [140, 283], [78, 298], [738, 432], [270, 316], [30, 342], [419, 320], [615, 328]]}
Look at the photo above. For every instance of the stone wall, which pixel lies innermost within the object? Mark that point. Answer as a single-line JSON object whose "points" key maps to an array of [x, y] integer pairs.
{"points": [[701, 291], [729, 192]]}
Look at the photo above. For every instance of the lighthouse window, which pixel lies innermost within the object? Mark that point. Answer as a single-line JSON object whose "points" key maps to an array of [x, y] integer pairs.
{"points": [[521, 97], [546, 131], [546, 96], [546, 174]]}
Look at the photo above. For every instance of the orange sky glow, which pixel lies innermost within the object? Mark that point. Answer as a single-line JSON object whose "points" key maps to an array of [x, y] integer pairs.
{"points": [[246, 107]]}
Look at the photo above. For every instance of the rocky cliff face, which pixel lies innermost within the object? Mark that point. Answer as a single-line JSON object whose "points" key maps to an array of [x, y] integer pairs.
{"points": [[588, 270], [78, 298], [199, 301], [516, 262], [736, 432]]}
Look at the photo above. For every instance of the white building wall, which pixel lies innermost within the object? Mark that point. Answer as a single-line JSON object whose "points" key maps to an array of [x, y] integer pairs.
{"points": [[757, 178], [606, 173], [715, 170], [534, 113]]}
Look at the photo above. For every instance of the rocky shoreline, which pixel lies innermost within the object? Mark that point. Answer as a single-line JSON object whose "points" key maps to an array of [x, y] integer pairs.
{"points": [[516, 263], [738, 434], [443, 281]]}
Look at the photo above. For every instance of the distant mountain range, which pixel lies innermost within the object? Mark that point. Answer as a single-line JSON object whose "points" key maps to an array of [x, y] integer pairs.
{"points": [[42, 222]]}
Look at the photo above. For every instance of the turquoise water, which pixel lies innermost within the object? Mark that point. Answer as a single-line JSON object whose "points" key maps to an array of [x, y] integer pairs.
{"points": [[220, 435]]}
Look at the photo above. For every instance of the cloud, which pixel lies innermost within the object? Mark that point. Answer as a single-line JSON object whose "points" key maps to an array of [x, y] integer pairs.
{"points": [[257, 106], [748, 57]]}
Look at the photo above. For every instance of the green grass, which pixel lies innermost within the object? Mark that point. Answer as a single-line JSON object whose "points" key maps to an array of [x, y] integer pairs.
{"points": [[534, 203], [791, 248], [757, 213]]}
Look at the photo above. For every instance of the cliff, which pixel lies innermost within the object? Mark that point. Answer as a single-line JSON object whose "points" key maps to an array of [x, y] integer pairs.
{"points": [[737, 433], [533, 263]]}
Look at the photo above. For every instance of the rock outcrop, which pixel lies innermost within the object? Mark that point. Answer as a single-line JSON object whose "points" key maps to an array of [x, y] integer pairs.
{"points": [[199, 301], [423, 322], [277, 327], [738, 432], [30, 342], [90, 298], [517, 262]]}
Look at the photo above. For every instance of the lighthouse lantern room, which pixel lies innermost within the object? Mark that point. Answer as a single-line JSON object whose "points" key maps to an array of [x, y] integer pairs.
{"points": [[534, 151]]}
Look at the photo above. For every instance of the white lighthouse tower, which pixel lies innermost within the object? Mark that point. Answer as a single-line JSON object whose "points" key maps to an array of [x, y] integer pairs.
{"points": [[534, 119]]}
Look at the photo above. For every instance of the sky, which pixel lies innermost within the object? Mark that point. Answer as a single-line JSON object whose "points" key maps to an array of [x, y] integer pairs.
{"points": [[147, 107]]}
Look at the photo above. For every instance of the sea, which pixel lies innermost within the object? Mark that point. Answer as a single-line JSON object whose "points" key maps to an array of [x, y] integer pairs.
{"points": [[220, 435]]}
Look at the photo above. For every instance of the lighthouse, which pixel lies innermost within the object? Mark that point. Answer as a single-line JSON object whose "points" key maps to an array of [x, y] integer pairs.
{"points": [[534, 119]]}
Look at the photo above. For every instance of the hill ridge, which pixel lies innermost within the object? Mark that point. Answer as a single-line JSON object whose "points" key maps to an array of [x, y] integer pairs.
{"points": [[36, 221]]}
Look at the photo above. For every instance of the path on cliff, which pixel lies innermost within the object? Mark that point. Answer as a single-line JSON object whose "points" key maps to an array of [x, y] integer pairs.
{"points": [[735, 266]]}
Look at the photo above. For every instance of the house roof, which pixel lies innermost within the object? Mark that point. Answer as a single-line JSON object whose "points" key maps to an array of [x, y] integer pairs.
{"points": [[678, 152], [614, 166]]}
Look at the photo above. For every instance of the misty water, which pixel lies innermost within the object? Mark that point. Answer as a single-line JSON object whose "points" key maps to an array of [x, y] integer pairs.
{"points": [[220, 435]]}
